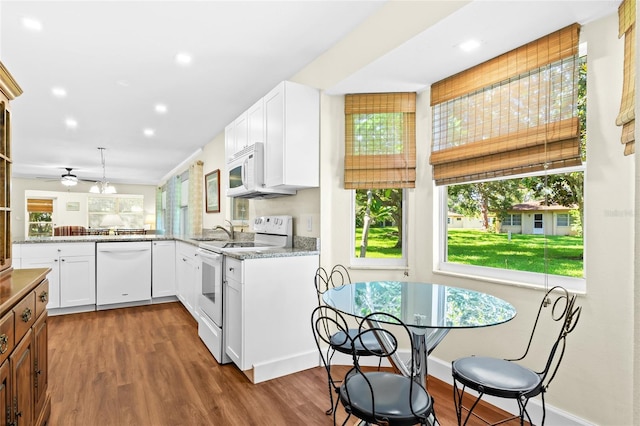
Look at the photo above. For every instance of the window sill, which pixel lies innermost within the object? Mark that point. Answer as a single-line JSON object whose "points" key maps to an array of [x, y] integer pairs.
{"points": [[511, 278]]}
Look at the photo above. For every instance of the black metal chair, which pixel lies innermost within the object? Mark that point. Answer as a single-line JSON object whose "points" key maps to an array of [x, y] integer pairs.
{"points": [[340, 339], [383, 397], [505, 378]]}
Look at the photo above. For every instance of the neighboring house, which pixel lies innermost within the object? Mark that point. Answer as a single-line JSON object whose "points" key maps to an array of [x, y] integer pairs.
{"points": [[460, 221], [536, 218]]}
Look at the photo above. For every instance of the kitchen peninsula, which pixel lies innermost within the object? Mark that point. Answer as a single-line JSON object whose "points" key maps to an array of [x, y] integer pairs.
{"points": [[272, 289]]}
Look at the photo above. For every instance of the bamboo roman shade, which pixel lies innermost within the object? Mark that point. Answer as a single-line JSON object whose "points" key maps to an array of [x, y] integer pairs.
{"points": [[380, 141], [627, 116], [513, 114], [35, 205]]}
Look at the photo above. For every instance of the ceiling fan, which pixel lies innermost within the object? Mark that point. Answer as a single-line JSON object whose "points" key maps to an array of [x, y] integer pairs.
{"points": [[68, 178]]}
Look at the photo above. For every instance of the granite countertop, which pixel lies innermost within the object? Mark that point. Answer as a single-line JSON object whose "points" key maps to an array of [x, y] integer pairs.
{"points": [[302, 246]]}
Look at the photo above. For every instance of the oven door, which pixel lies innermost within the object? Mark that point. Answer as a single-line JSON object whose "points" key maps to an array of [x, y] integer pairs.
{"points": [[211, 292]]}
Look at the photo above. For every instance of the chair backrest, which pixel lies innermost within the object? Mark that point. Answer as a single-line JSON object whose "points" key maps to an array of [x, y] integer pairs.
{"points": [[564, 314], [388, 341], [324, 280], [326, 323]]}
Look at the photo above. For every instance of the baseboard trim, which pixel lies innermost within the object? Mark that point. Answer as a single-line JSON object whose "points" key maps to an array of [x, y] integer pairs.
{"points": [[284, 366]]}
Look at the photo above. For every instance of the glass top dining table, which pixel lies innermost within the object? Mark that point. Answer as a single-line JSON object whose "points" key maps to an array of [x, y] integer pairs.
{"points": [[429, 310]]}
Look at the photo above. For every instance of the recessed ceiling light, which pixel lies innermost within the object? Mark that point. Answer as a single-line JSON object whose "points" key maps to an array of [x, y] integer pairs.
{"points": [[71, 123], [469, 45], [123, 83], [31, 24], [59, 92], [160, 108], [183, 59], [149, 132]]}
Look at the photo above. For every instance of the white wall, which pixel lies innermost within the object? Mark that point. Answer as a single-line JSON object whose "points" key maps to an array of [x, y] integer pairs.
{"points": [[19, 186]]}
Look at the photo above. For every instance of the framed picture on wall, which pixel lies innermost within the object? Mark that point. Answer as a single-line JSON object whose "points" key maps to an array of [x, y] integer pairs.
{"points": [[212, 191]]}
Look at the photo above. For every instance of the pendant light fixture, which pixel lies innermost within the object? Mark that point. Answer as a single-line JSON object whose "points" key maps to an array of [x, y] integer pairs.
{"points": [[103, 186]]}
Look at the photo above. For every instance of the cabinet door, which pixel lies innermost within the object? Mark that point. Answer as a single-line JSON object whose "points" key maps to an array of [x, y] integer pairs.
{"points": [[242, 132], [163, 269], [255, 117], [41, 361], [187, 271], [22, 380], [274, 137], [77, 281], [5, 394], [233, 322], [53, 276], [229, 141]]}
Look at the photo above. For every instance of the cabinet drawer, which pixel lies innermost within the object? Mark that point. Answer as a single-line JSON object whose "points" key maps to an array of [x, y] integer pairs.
{"points": [[25, 315], [233, 269], [42, 297], [7, 341], [34, 250]]}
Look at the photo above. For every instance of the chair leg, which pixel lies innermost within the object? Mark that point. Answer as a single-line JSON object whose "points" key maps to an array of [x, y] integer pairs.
{"points": [[458, 395]]}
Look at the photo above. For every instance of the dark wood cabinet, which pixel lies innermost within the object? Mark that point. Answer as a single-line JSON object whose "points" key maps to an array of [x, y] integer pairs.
{"points": [[9, 90], [24, 393]]}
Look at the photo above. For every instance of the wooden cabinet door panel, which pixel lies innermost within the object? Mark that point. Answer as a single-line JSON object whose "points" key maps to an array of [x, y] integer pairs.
{"points": [[5, 394], [41, 361], [22, 380]]}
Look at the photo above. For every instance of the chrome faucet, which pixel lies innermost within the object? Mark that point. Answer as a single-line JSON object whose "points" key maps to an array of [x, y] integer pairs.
{"points": [[230, 232]]}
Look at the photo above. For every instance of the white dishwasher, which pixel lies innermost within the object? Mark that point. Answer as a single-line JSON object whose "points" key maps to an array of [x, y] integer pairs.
{"points": [[123, 272]]}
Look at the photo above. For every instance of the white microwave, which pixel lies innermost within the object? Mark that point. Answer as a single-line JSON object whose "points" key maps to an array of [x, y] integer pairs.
{"points": [[245, 171]]}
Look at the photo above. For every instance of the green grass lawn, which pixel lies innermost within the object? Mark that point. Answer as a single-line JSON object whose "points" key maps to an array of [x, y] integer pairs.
{"points": [[522, 253], [381, 242], [473, 247]]}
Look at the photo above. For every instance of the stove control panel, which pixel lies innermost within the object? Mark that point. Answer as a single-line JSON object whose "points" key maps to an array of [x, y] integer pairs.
{"points": [[277, 225]]}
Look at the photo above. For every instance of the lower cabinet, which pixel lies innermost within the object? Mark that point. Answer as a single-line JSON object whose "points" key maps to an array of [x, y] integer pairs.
{"points": [[266, 315], [187, 276], [24, 396], [163, 269], [72, 279]]}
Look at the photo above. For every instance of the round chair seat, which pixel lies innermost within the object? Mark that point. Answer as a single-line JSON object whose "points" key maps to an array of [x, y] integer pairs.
{"points": [[496, 376], [391, 397], [342, 343]]}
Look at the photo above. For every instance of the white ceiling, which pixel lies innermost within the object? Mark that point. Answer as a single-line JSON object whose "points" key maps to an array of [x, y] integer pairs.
{"points": [[116, 61]]}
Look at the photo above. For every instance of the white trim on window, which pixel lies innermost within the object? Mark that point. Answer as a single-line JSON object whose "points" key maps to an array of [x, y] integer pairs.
{"points": [[496, 275]]}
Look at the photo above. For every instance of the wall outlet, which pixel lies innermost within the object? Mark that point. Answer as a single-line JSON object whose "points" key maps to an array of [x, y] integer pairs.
{"points": [[309, 223]]}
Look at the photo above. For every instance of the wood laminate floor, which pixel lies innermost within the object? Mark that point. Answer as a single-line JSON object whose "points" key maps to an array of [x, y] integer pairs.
{"points": [[146, 366]]}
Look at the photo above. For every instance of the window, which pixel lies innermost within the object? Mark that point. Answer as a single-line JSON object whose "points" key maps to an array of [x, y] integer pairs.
{"points": [[513, 220], [130, 208], [239, 211], [40, 217], [379, 226], [380, 161], [507, 143], [563, 219]]}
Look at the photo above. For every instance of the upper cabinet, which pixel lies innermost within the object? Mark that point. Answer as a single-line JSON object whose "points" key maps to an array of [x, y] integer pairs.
{"points": [[292, 137], [287, 121], [9, 90]]}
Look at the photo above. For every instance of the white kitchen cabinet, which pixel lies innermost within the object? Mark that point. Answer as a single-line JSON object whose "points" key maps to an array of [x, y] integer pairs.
{"points": [[187, 276], [236, 135], [123, 271], [163, 269], [255, 121], [266, 322], [229, 141], [292, 137], [233, 312], [72, 280]]}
